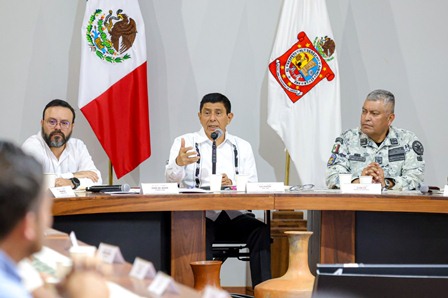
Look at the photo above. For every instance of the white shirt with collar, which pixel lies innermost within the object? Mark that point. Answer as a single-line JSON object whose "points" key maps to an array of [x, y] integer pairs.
{"points": [[74, 158], [186, 176]]}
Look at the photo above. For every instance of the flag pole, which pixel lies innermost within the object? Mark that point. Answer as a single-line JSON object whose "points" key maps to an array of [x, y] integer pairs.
{"points": [[110, 173], [287, 163]]}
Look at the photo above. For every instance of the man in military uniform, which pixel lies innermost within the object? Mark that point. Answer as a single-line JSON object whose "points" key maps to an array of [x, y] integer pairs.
{"points": [[392, 156]]}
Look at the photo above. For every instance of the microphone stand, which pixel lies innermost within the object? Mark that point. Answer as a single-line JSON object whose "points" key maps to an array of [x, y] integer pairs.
{"points": [[216, 134], [214, 157]]}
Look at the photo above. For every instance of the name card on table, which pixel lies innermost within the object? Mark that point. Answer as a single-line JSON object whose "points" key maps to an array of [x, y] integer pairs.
{"points": [[162, 283], [445, 191], [110, 254], [159, 188], [62, 192], [359, 188], [265, 187], [73, 239], [142, 269]]}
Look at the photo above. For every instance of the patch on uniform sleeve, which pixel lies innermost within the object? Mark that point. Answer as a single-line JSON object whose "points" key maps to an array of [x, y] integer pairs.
{"points": [[418, 147], [331, 160], [339, 140], [336, 148], [419, 158]]}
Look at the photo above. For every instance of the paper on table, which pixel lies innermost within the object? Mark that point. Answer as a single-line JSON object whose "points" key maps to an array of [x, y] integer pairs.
{"points": [[193, 190]]}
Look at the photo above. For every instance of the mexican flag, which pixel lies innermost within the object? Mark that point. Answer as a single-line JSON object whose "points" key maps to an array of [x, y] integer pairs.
{"points": [[113, 91]]}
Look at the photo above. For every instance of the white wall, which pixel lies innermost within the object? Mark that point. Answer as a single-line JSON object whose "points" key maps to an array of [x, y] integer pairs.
{"points": [[200, 46]]}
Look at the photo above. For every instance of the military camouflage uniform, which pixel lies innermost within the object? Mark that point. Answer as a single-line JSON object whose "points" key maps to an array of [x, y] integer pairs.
{"points": [[400, 155]]}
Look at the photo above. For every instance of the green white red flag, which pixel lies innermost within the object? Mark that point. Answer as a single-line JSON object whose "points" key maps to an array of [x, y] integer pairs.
{"points": [[113, 91]]}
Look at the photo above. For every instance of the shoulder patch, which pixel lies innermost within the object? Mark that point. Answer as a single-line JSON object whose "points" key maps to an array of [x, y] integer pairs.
{"points": [[331, 160], [418, 147], [336, 148], [339, 140]]}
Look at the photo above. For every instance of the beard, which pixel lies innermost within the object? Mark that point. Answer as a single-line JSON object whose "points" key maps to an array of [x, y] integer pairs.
{"points": [[56, 138]]}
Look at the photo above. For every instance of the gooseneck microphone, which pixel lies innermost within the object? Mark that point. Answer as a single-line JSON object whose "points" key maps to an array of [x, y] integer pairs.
{"points": [[109, 188], [216, 134]]}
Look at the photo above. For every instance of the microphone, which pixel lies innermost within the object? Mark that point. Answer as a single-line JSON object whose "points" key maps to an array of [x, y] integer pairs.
{"points": [[216, 134], [428, 189], [109, 188], [425, 189]]}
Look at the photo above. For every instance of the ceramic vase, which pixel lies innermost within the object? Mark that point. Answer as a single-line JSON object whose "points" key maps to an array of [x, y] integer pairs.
{"points": [[206, 273], [298, 280]]}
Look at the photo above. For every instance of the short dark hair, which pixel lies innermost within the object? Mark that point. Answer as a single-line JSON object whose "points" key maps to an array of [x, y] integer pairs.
{"points": [[59, 103], [214, 98], [21, 182]]}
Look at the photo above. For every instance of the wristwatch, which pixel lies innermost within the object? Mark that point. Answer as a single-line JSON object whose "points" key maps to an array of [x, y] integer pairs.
{"points": [[388, 184], [75, 182]]}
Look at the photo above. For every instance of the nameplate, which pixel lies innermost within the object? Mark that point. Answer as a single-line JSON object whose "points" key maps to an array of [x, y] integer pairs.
{"points": [[110, 254], [445, 191], [73, 239], [159, 188], [163, 283], [212, 292], [142, 269], [359, 188], [62, 192], [265, 187]]}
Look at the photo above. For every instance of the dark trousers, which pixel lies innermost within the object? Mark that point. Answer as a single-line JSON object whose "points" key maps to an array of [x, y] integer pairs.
{"points": [[245, 229]]}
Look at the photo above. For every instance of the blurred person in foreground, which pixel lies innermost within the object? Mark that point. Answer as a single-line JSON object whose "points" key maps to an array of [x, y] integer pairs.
{"points": [[25, 213]]}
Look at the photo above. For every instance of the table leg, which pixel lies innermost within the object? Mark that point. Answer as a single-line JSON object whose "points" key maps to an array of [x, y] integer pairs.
{"points": [[187, 243], [337, 237]]}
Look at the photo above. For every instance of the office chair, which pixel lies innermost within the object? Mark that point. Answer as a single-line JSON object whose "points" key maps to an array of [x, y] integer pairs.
{"points": [[223, 250]]}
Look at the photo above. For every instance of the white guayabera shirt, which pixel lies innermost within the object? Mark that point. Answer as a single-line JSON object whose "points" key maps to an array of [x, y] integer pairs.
{"points": [[73, 159], [234, 156]]}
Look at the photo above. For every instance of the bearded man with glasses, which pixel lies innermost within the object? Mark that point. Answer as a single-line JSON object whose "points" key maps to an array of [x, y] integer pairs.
{"points": [[60, 154]]}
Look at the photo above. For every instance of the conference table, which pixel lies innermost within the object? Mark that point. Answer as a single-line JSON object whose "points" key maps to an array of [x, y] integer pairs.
{"points": [[117, 273], [338, 216]]}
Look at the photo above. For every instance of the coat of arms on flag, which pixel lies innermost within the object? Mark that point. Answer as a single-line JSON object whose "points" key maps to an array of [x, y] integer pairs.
{"points": [[302, 67], [109, 35]]}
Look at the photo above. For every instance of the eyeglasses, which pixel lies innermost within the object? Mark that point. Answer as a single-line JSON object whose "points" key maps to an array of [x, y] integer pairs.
{"points": [[53, 122], [301, 187]]}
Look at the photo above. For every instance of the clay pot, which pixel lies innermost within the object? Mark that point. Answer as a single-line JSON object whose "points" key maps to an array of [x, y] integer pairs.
{"points": [[206, 273], [298, 280]]}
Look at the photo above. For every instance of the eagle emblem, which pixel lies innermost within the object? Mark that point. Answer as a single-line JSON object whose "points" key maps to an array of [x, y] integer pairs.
{"points": [[326, 47], [111, 35]]}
